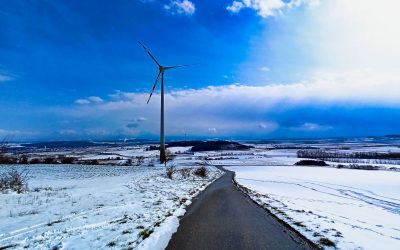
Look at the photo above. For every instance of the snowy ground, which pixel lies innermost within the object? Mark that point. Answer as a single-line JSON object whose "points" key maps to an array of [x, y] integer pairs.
{"points": [[344, 208], [355, 209], [96, 207], [81, 207]]}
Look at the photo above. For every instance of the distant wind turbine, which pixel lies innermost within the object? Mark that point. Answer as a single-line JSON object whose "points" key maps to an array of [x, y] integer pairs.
{"points": [[161, 70]]}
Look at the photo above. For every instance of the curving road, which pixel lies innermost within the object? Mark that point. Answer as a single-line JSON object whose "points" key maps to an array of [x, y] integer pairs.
{"points": [[221, 217]]}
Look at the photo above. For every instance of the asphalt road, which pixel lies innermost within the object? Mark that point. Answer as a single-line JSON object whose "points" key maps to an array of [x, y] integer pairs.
{"points": [[222, 217]]}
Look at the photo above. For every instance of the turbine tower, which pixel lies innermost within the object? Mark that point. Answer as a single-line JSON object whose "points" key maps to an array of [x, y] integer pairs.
{"points": [[161, 71]]}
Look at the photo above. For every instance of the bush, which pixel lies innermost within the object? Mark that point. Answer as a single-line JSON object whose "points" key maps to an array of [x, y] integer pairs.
{"points": [[201, 171], [170, 171], [93, 162], [128, 162], [67, 160], [185, 172], [23, 159], [35, 161], [14, 180], [50, 160], [311, 163], [5, 159]]}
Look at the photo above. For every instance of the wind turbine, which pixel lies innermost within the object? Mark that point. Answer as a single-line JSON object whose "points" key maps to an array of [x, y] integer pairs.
{"points": [[161, 71]]}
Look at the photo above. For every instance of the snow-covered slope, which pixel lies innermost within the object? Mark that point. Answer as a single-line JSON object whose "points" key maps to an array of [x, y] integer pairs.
{"points": [[354, 209], [93, 207]]}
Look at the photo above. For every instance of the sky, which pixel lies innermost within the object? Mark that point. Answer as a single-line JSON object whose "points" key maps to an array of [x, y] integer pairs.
{"points": [[73, 70]]}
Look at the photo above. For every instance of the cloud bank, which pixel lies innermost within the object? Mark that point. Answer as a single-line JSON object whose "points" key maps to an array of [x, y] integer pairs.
{"points": [[237, 109], [267, 8]]}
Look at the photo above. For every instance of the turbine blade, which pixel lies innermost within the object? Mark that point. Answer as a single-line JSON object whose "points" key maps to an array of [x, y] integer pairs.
{"points": [[179, 66], [148, 52], [154, 86]]}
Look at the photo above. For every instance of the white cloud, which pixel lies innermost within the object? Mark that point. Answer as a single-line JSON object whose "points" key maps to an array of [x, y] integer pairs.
{"points": [[180, 7], [309, 126], [89, 100], [358, 33], [5, 77], [95, 99], [141, 119], [234, 109], [235, 7], [297, 3], [266, 8], [82, 101], [265, 69]]}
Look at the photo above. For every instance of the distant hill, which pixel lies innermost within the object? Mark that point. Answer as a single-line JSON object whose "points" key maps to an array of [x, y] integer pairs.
{"points": [[219, 145], [198, 146]]}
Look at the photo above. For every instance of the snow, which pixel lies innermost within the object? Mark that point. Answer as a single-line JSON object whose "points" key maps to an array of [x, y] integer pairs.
{"points": [[353, 208], [92, 207]]}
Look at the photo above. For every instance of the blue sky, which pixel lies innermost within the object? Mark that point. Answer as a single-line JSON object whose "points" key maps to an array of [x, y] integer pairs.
{"points": [[267, 68]]}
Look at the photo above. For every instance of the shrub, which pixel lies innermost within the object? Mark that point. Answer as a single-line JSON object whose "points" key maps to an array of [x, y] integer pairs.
{"points": [[67, 160], [128, 162], [311, 163], [23, 159], [201, 171], [170, 170], [185, 172], [35, 161], [5, 159], [93, 162], [14, 180], [50, 160]]}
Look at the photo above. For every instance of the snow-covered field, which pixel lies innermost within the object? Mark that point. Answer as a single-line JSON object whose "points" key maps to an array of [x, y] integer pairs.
{"points": [[96, 207], [334, 207], [137, 206], [355, 209]]}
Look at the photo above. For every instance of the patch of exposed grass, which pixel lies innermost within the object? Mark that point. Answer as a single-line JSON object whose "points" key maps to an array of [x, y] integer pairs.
{"points": [[183, 200], [338, 234], [54, 222], [111, 244], [145, 233], [127, 231], [316, 234], [299, 224], [327, 242]]}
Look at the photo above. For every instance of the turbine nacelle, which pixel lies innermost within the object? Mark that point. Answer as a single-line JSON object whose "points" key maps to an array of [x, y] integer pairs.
{"points": [[161, 69]]}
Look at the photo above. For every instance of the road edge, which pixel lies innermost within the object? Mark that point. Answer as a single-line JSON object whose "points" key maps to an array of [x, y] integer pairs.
{"points": [[287, 226]]}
